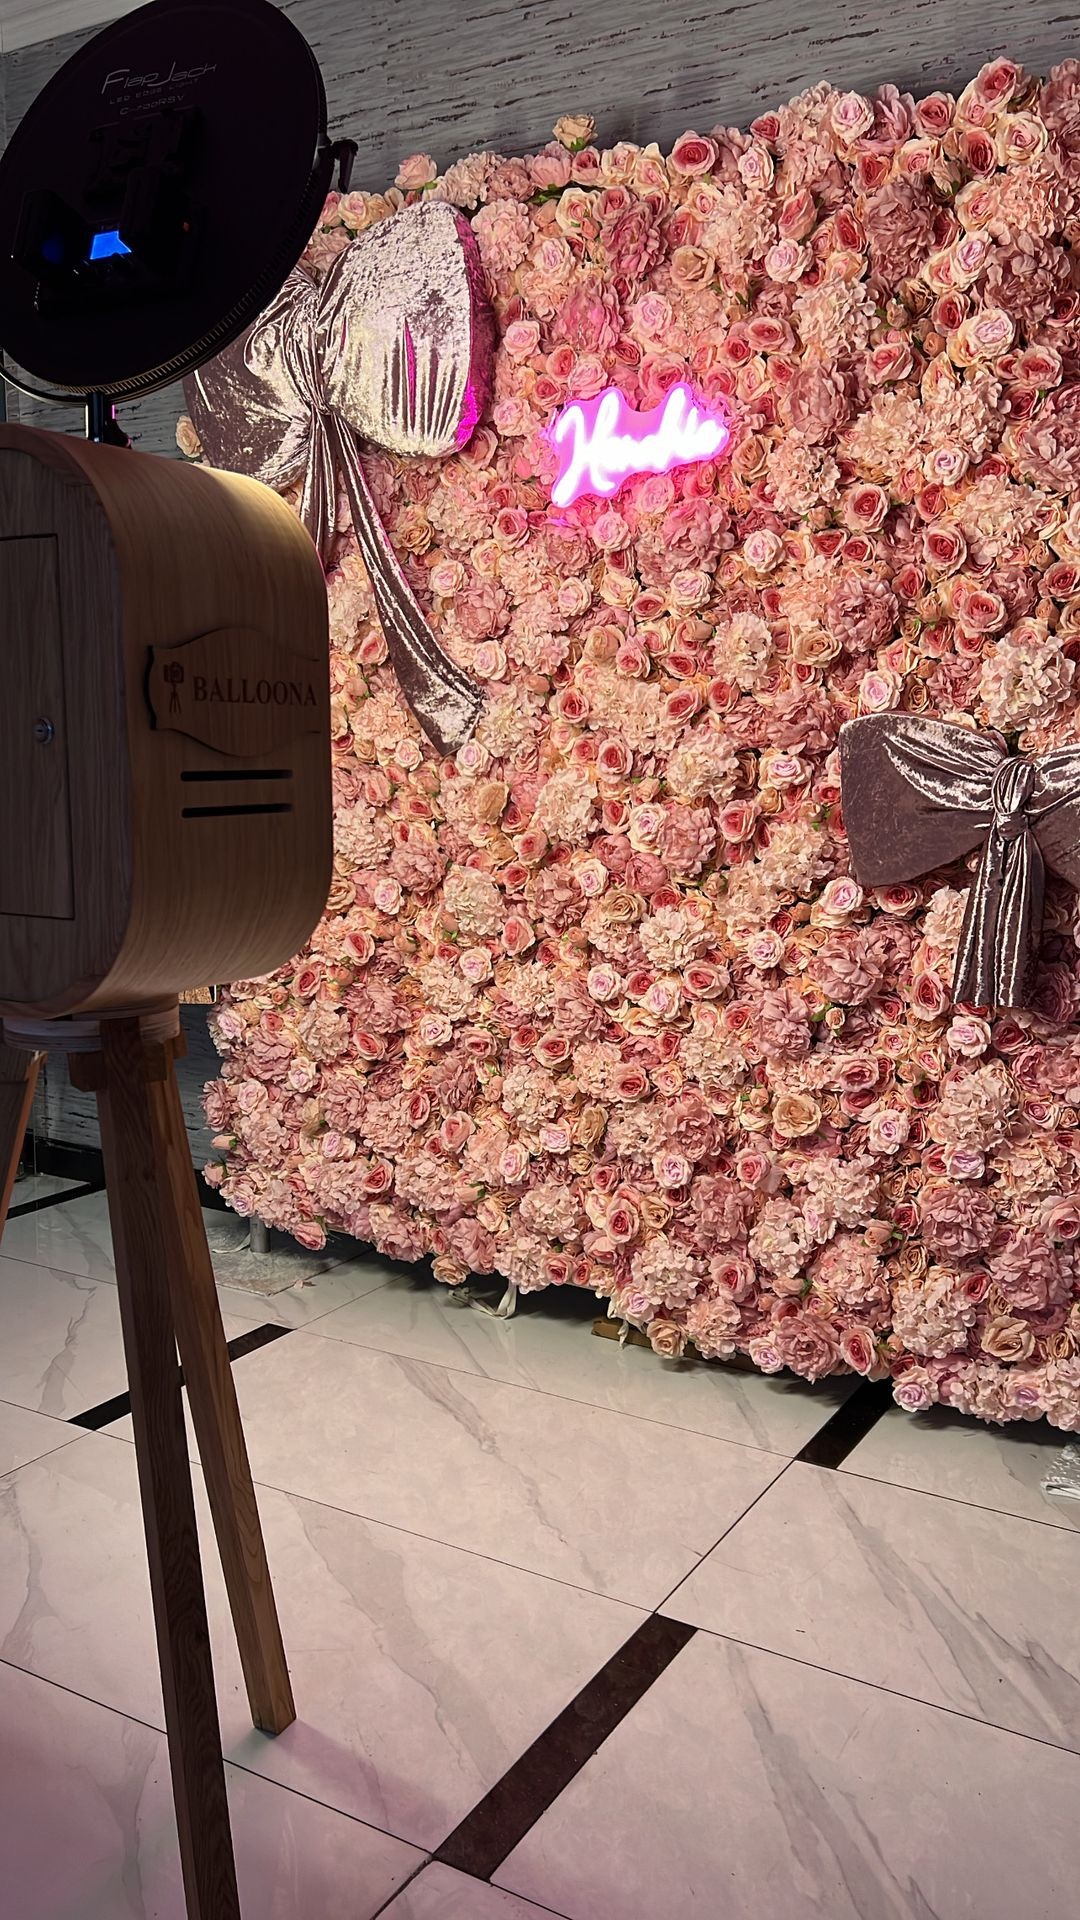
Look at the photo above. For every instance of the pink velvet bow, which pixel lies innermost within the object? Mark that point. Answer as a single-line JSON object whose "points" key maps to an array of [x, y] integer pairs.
{"points": [[395, 347], [918, 794]]}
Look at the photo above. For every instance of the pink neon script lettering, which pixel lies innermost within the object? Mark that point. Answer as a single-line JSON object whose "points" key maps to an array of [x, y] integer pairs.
{"points": [[601, 442]]}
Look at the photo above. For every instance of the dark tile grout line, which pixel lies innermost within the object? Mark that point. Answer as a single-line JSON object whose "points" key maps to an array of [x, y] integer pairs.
{"points": [[87, 1165], [256, 1337], [842, 1432], [484, 1839], [119, 1406], [481, 1842], [64, 1160], [396, 1893], [529, 1788], [385, 1912], [421, 1269], [55, 1199]]}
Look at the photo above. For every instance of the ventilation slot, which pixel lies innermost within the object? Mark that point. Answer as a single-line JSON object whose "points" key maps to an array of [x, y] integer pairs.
{"points": [[220, 813], [242, 773]]}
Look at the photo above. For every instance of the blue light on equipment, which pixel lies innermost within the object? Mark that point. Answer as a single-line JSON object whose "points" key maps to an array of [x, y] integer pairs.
{"points": [[107, 245]]}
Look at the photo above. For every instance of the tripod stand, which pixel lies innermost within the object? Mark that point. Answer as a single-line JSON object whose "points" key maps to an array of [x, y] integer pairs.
{"points": [[168, 1301], [18, 1084]]}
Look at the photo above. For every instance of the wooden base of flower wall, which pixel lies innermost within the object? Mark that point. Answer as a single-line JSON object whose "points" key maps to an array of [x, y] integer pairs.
{"points": [[613, 1330]]}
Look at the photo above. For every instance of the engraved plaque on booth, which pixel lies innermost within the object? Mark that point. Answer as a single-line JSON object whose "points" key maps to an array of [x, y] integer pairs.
{"points": [[35, 823], [237, 691]]}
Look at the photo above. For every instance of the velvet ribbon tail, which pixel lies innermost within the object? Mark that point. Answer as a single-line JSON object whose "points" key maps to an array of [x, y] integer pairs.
{"points": [[996, 956], [444, 699]]}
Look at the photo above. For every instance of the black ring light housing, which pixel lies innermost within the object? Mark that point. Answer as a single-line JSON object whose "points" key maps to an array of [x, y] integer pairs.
{"points": [[157, 193]]}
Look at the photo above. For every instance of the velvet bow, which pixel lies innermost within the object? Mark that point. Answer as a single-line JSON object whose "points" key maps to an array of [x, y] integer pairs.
{"points": [[920, 793], [394, 346]]}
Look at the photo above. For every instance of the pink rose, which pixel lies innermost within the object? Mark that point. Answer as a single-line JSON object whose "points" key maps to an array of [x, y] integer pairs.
{"points": [[671, 1170], [888, 1130], [455, 1131], [798, 215], [765, 949], [378, 1179], [838, 900], [968, 1036], [933, 115], [787, 260], [552, 1049], [985, 336], [630, 1083], [763, 550], [964, 1163], [614, 759], [929, 996], [517, 934], [703, 981], [851, 117], [692, 155], [623, 1222], [514, 1165], [944, 548], [914, 1391], [977, 151], [864, 508], [738, 821], [309, 1234], [890, 360], [766, 1355], [879, 691], [416, 173], [995, 83], [857, 1350]]}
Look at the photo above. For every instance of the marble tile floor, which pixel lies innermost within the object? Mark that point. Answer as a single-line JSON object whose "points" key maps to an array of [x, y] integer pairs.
{"points": [[474, 1526], [288, 1285], [32, 1187]]}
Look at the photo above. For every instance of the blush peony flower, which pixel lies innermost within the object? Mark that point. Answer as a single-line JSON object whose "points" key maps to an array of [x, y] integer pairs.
{"points": [[956, 1220], [1032, 1273], [845, 967], [783, 1026], [807, 1344]]}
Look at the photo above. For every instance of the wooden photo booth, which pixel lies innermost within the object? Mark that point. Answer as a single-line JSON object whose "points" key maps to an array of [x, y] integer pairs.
{"points": [[165, 799]]}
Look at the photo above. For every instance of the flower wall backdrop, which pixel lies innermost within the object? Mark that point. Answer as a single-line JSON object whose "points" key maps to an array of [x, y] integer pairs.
{"points": [[598, 1003]]}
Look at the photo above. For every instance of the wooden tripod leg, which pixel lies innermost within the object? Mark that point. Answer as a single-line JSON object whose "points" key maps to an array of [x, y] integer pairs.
{"points": [[123, 1076], [216, 1419], [18, 1082]]}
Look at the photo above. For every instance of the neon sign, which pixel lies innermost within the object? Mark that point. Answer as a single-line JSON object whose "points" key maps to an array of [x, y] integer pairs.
{"points": [[601, 442]]}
